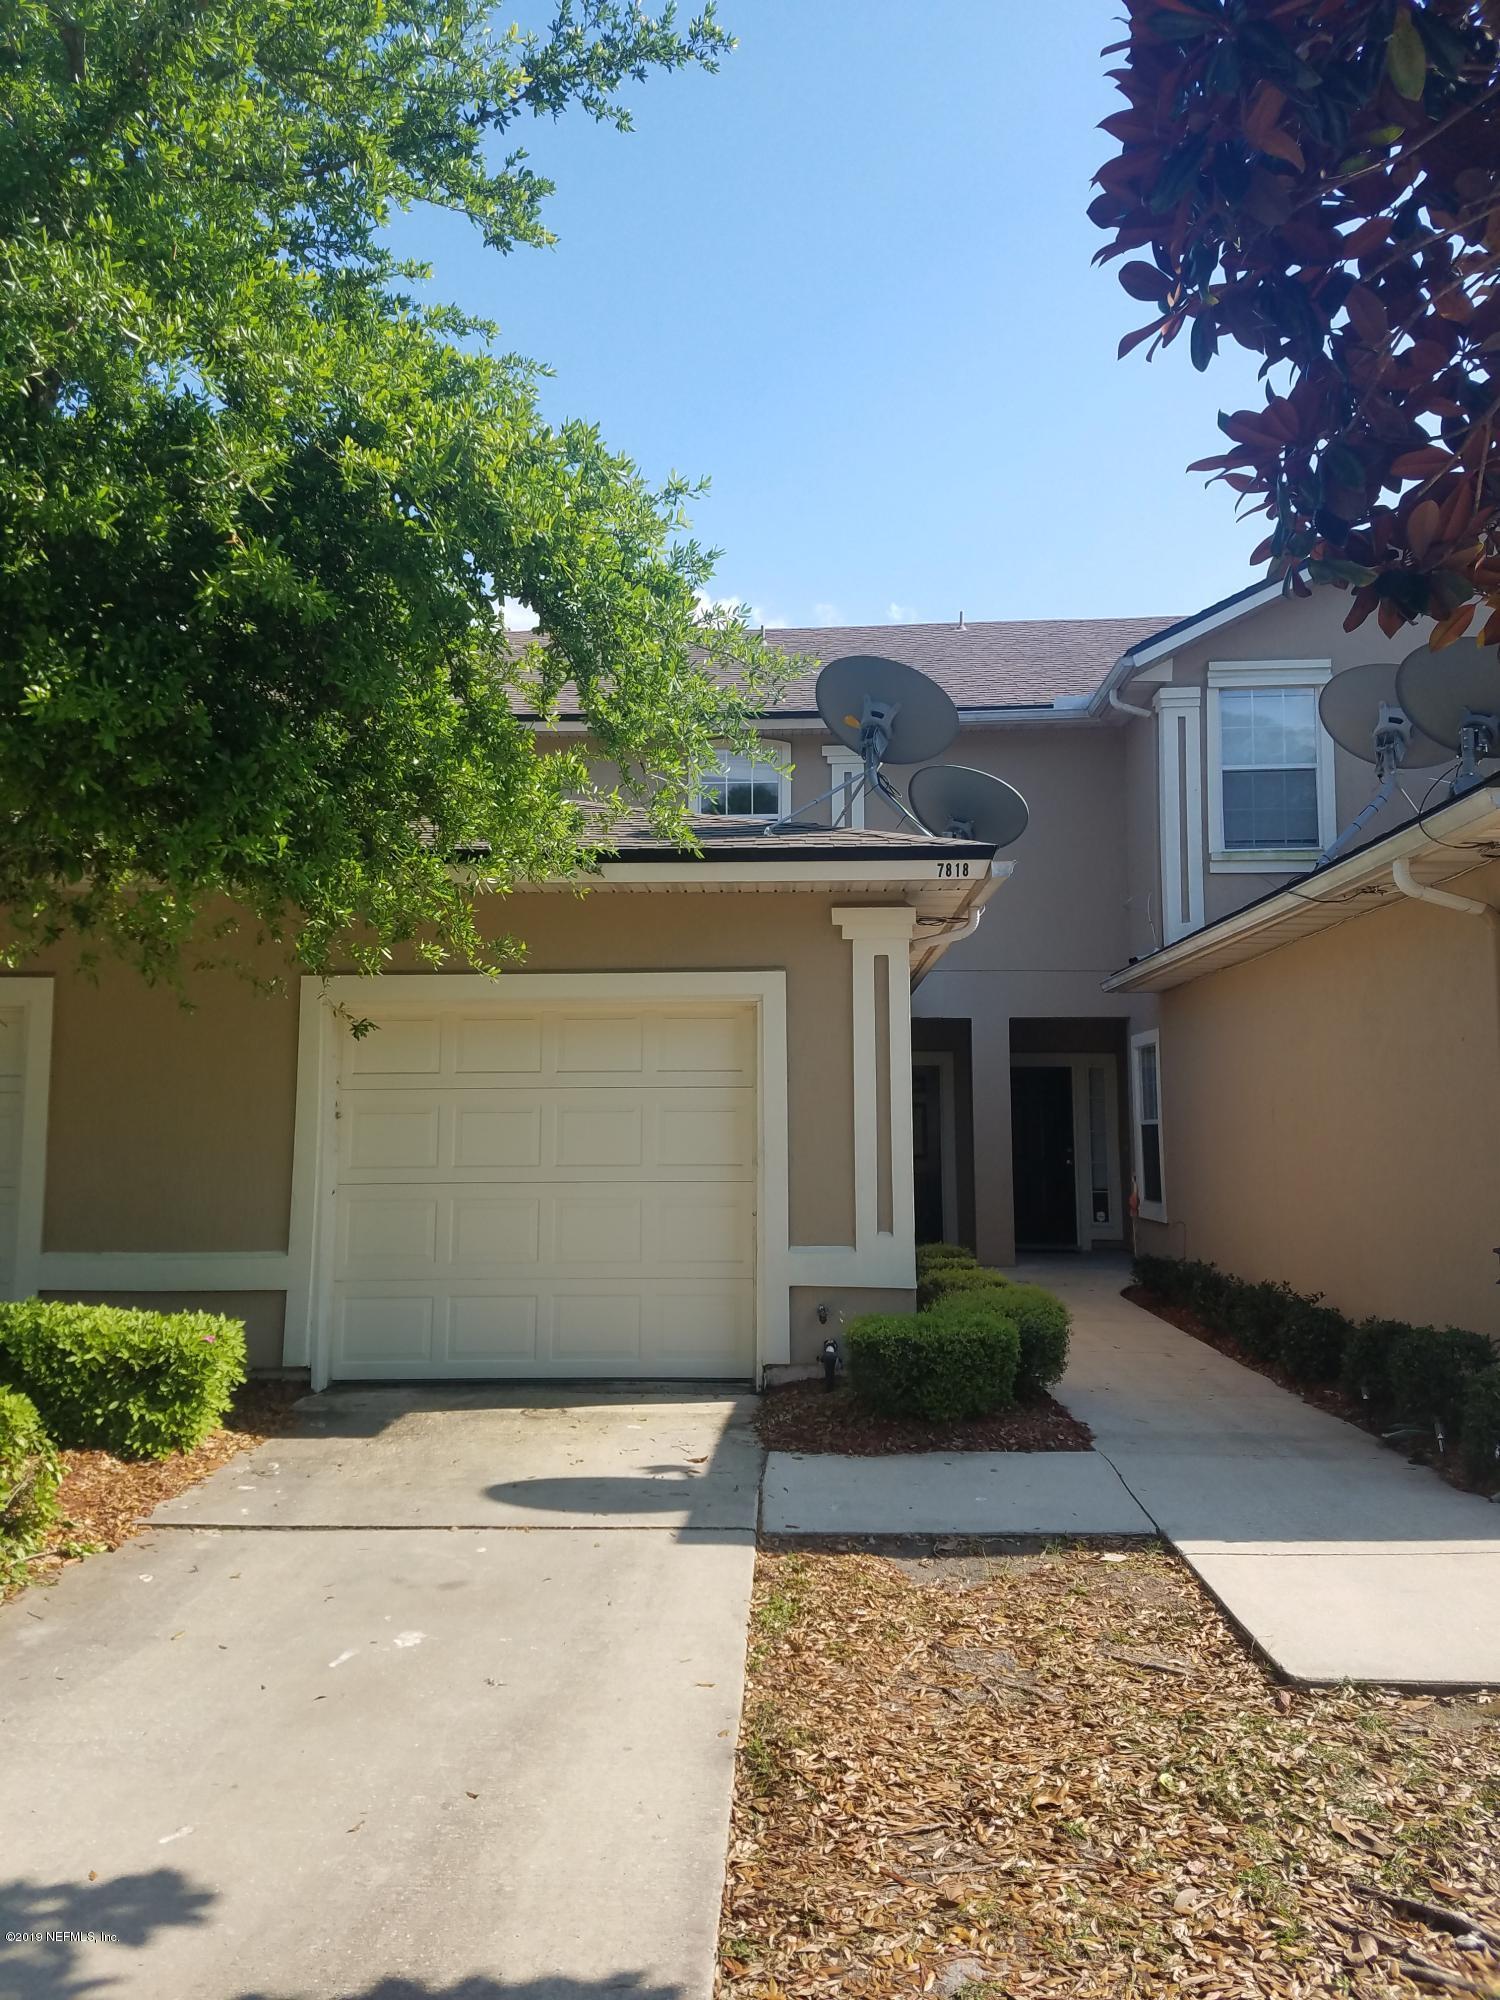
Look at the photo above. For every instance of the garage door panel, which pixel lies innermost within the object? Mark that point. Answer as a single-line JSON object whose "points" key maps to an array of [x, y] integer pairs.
{"points": [[489, 1326], [590, 1134], [392, 1138], [600, 1044], [398, 1045], [705, 1135], [695, 1049], [497, 1046], [496, 1231], [562, 1191], [381, 1331], [603, 1230], [389, 1235], [487, 1135], [703, 1227], [596, 1327], [706, 1327]]}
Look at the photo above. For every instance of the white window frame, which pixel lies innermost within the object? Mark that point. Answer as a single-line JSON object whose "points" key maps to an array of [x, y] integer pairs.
{"points": [[1226, 860], [1149, 1211], [844, 766], [737, 765]]}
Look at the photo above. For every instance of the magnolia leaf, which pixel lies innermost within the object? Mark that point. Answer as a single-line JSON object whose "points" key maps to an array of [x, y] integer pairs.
{"points": [[1405, 57], [1422, 527]]}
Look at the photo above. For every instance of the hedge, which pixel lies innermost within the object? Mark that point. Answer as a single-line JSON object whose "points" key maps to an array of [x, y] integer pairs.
{"points": [[1444, 1377], [30, 1472], [939, 1280], [1479, 1439], [139, 1384], [958, 1359], [932, 1255]]}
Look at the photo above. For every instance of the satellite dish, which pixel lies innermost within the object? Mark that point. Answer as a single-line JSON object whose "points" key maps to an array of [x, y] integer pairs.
{"points": [[1454, 697], [952, 800], [1362, 714], [879, 705]]}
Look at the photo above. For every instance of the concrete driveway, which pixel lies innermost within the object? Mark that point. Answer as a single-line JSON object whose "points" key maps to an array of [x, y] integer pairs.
{"points": [[439, 1698]]}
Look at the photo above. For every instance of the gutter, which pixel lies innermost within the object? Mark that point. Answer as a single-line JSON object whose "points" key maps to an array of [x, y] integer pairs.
{"points": [[1442, 899], [929, 947], [1368, 868]]}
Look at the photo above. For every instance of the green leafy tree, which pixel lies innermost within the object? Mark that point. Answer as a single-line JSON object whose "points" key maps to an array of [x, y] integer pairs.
{"points": [[260, 506], [1319, 181]]}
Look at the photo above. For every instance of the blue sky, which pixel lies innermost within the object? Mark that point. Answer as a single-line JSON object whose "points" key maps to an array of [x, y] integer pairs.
{"points": [[848, 278]]}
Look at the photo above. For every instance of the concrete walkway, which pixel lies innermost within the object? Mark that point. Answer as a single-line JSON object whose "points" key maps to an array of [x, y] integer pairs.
{"points": [[469, 1730], [949, 1493], [1340, 1559]]}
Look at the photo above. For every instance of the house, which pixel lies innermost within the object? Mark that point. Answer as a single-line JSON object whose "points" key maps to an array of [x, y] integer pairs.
{"points": [[729, 1090]]}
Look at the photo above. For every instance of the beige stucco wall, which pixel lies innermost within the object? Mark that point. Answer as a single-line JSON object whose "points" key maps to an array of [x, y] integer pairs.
{"points": [[171, 1127], [263, 1314], [1331, 1113]]}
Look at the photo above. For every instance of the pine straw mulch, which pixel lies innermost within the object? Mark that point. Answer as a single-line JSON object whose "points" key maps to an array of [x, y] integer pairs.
{"points": [[1057, 1772], [103, 1499], [808, 1417], [1322, 1395]]}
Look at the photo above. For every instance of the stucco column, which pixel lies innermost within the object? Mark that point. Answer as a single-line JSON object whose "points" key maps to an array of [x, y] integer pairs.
{"points": [[994, 1191], [880, 939]]}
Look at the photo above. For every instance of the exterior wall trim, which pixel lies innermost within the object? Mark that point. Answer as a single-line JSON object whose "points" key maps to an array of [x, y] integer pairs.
{"points": [[309, 1288], [1148, 1211], [1179, 754], [163, 1270], [882, 1256], [33, 995], [844, 766], [1224, 860]]}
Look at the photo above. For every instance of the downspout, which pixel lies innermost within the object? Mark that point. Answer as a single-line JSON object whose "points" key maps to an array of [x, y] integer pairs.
{"points": [[1116, 700], [1468, 906]]}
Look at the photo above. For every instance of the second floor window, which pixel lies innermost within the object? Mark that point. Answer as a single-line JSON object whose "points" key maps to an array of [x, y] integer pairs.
{"points": [[747, 787], [1268, 739], [1270, 765]]}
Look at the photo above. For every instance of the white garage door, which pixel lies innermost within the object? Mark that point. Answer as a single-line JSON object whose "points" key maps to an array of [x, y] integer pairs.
{"points": [[558, 1191]]}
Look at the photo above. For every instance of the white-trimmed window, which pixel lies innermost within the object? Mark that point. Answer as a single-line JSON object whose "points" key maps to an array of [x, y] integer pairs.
{"points": [[1270, 766], [1145, 1096], [749, 787]]}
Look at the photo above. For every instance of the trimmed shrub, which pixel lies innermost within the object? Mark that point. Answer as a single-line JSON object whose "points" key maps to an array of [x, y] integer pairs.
{"points": [[931, 1254], [1430, 1372], [1312, 1340], [956, 1360], [1366, 1368], [140, 1384], [1256, 1315], [1042, 1321], [30, 1471], [1162, 1275], [1479, 1434], [944, 1279]]}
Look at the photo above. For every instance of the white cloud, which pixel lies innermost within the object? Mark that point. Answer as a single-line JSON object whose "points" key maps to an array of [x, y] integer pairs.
{"points": [[519, 617], [901, 614], [752, 614], [827, 614]]}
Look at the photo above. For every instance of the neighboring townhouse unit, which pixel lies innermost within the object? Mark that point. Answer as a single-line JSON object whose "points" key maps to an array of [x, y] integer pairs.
{"points": [[733, 1085]]}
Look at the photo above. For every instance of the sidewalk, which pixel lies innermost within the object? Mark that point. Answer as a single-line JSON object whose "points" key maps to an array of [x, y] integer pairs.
{"points": [[1341, 1560]]}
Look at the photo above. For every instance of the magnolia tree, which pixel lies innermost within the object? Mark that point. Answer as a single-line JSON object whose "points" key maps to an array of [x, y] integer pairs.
{"points": [[1319, 181], [260, 505]]}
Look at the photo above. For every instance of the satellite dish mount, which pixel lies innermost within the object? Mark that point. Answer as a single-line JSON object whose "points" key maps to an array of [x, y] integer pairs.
{"points": [[888, 713]]}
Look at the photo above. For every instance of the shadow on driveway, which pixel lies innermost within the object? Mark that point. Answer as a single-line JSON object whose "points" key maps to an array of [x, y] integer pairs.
{"points": [[62, 1921]]}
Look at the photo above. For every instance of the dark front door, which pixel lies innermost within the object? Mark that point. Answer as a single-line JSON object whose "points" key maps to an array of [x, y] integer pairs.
{"points": [[927, 1150], [1041, 1139]]}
